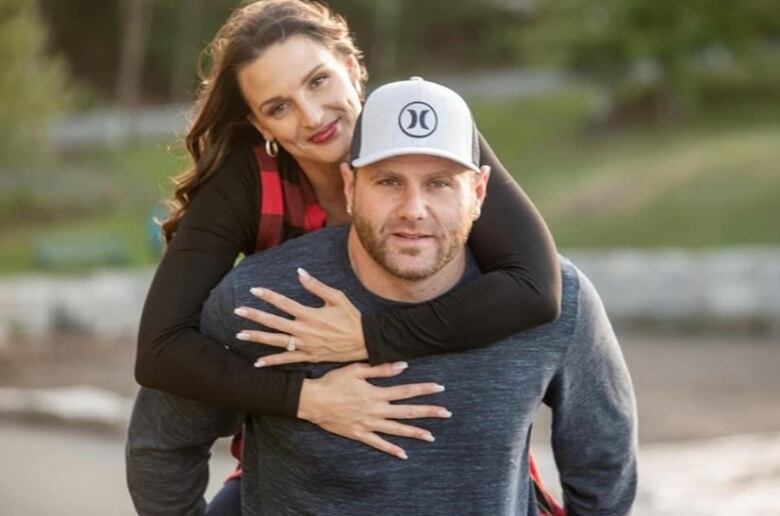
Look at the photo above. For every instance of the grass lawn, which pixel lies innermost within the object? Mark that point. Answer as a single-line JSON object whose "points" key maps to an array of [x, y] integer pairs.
{"points": [[713, 180]]}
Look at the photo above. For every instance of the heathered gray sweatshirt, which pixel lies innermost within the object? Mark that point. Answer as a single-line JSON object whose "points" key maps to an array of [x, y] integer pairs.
{"points": [[479, 461]]}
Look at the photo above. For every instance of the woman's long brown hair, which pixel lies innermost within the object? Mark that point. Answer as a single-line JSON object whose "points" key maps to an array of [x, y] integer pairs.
{"points": [[220, 122]]}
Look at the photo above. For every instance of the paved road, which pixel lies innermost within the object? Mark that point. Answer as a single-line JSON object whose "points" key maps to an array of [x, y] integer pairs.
{"points": [[688, 388], [59, 472], [54, 471]]}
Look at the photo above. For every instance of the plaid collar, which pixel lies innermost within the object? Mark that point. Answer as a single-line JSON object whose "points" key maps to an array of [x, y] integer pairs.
{"points": [[288, 206]]}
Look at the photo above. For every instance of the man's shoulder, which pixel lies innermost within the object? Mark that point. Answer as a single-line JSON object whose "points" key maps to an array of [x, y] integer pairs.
{"points": [[579, 297], [571, 283], [276, 267], [577, 287], [324, 241]]}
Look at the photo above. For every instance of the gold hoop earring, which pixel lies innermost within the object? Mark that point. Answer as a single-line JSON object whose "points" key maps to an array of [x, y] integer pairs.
{"points": [[271, 148]]}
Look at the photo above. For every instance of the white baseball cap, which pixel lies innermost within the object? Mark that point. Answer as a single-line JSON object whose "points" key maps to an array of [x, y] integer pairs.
{"points": [[415, 117]]}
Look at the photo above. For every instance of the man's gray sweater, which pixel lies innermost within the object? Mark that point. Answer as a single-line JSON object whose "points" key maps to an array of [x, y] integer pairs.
{"points": [[479, 461]]}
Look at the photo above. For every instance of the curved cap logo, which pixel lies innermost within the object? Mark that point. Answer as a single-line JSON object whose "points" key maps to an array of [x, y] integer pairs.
{"points": [[418, 120]]}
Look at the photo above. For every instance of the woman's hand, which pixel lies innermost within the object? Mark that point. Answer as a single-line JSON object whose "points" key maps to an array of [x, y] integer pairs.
{"points": [[344, 403], [331, 333]]}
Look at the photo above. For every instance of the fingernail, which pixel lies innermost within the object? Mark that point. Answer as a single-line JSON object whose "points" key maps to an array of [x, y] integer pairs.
{"points": [[257, 291], [400, 366], [260, 363], [402, 455], [438, 388], [445, 413], [242, 335], [429, 437], [240, 311], [302, 273]]}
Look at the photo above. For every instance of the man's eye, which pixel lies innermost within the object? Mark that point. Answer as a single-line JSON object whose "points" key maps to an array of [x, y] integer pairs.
{"points": [[439, 184], [388, 182]]}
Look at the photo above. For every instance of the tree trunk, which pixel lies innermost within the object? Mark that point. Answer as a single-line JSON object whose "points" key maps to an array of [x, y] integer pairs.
{"points": [[136, 16], [188, 31]]}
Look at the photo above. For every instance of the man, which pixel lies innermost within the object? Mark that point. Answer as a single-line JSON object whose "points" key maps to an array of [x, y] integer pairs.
{"points": [[413, 197], [414, 192]]}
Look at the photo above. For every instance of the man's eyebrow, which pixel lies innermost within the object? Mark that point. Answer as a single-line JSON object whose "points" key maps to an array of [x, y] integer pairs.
{"points": [[305, 79], [448, 172]]}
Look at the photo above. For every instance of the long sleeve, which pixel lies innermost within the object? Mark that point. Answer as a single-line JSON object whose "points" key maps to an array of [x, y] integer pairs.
{"points": [[173, 355], [594, 433], [520, 287]]}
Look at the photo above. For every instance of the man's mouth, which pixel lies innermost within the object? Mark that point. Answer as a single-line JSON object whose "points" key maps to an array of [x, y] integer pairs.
{"points": [[325, 134], [411, 236]]}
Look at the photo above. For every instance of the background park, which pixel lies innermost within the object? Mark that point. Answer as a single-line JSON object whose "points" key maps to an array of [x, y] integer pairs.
{"points": [[647, 133]]}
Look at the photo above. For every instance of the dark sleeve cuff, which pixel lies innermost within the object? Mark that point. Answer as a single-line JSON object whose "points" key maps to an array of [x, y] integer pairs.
{"points": [[293, 394]]}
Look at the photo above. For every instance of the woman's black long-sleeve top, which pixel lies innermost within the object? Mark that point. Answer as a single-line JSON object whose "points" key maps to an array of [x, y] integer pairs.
{"points": [[520, 289]]}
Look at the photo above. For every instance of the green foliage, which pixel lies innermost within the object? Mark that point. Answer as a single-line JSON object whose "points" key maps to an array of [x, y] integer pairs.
{"points": [[412, 37], [660, 50], [101, 195], [709, 181], [399, 37], [33, 85]]}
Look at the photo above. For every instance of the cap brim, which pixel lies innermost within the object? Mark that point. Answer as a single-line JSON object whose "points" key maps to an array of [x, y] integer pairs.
{"points": [[405, 151]]}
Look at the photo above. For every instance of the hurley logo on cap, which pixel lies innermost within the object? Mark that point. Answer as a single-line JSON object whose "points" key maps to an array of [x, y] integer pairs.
{"points": [[415, 117], [418, 119]]}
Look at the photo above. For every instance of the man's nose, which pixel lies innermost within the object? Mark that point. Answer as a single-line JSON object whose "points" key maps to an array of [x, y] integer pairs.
{"points": [[413, 204]]}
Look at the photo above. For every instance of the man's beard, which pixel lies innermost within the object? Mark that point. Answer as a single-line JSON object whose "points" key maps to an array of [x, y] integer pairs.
{"points": [[449, 242]]}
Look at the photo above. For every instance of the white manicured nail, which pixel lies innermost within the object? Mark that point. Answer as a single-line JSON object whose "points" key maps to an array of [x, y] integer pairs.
{"points": [[260, 363], [303, 274], [240, 311], [242, 335], [438, 388], [400, 366], [402, 455], [257, 291]]}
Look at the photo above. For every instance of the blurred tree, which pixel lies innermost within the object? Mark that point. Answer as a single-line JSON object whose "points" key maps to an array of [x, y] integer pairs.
{"points": [[179, 32], [648, 53], [187, 45], [33, 84], [86, 33], [136, 22], [399, 37]]}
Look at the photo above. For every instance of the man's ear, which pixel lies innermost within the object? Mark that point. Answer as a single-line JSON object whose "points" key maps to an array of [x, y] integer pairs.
{"points": [[348, 176], [256, 123], [480, 188]]}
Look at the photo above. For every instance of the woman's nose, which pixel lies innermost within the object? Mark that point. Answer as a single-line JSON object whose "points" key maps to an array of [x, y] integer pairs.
{"points": [[311, 114]]}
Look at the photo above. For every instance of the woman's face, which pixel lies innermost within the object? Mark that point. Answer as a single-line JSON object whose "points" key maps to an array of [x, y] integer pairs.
{"points": [[304, 96]]}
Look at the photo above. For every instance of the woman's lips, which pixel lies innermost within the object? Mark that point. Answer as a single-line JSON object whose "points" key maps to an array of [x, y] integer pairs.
{"points": [[325, 134]]}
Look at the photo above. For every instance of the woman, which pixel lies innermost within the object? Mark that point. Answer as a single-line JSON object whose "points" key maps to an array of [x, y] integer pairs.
{"points": [[275, 119]]}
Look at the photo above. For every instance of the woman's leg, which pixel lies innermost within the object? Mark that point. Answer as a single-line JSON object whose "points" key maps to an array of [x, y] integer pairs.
{"points": [[168, 449], [227, 502]]}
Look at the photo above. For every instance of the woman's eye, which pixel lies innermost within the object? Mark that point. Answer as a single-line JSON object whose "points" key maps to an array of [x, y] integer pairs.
{"points": [[278, 109], [317, 81]]}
